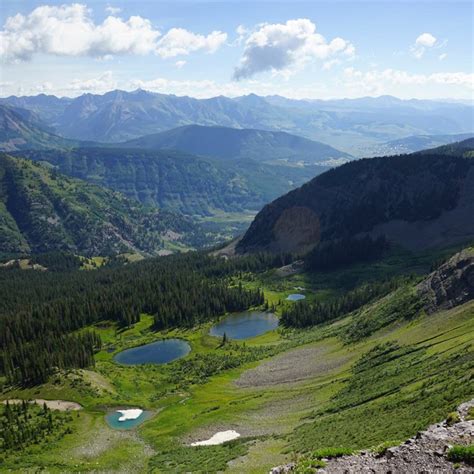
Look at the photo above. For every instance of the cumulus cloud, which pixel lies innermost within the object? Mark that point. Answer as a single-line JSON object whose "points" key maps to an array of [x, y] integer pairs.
{"points": [[179, 41], [281, 46], [180, 64], [69, 30], [424, 41]]}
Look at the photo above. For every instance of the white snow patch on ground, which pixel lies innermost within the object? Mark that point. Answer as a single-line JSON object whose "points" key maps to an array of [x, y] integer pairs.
{"points": [[218, 438], [131, 414]]}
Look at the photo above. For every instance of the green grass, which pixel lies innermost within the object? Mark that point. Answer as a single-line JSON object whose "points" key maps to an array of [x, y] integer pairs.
{"points": [[415, 383], [398, 376], [208, 458], [462, 454]]}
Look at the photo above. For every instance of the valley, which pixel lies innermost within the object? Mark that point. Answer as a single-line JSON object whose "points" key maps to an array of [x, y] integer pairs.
{"points": [[286, 347], [236, 237], [284, 392]]}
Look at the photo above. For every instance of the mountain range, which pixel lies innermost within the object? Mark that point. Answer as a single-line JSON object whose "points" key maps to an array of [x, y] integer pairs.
{"points": [[355, 126], [21, 129], [416, 201], [42, 210], [238, 170]]}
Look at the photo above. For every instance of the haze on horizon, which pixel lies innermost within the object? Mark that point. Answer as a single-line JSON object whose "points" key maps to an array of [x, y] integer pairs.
{"points": [[300, 50]]}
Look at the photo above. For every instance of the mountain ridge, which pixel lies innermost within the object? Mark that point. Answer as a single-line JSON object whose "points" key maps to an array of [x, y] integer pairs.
{"points": [[231, 143], [177, 181], [417, 201], [120, 116], [22, 129]]}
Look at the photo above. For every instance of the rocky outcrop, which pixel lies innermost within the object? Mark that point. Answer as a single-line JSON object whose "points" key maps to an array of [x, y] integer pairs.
{"points": [[297, 227], [426, 452], [451, 284]]}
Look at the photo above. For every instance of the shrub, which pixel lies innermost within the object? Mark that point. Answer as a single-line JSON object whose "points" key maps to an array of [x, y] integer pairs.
{"points": [[452, 418], [462, 454], [381, 448], [331, 453]]}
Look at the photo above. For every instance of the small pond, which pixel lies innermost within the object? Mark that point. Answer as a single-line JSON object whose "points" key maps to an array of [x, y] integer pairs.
{"points": [[245, 325], [112, 419], [296, 297], [159, 352]]}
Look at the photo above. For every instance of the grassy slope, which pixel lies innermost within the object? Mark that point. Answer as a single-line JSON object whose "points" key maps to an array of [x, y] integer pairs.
{"points": [[426, 377]]}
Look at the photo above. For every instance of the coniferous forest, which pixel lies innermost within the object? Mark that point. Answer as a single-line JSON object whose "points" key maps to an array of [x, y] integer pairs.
{"points": [[24, 423], [42, 316], [303, 314], [334, 254]]}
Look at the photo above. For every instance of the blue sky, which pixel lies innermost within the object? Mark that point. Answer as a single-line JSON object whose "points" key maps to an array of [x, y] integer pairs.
{"points": [[202, 49]]}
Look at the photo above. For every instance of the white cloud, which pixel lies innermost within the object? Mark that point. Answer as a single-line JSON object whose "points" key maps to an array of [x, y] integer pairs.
{"points": [[424, 41], [69, 30], [104, 83], [112, 10], [242, 33], [286, 47], [327, 65], [179, 41], [180, 64], [379, 82], [443, 56], [5, 88], [351, 83]]}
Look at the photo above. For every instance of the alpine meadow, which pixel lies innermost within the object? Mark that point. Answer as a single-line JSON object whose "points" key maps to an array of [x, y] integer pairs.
{"points": [[237, 237]]}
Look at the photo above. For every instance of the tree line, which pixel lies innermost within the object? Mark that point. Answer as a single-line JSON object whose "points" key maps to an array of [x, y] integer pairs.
{"points": [[303, 314]]}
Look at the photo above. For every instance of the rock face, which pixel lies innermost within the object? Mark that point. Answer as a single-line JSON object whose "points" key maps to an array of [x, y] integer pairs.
{"points": [[297, 227], [451, 285], [424, 453], [417, 201]]}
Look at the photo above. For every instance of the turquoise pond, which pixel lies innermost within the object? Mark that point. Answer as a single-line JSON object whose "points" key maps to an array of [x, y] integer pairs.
{"points": [[112, 419], [159, 352], [245, 325], [296, 297]]}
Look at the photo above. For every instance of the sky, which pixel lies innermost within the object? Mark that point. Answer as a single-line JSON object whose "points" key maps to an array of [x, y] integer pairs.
{"points": [[311, 49]]}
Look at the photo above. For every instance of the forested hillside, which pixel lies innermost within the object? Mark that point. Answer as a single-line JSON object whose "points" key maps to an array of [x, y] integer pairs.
{"points": [[417, 201], [177, 181], [42, 210], [41, 312], [233, 144]]}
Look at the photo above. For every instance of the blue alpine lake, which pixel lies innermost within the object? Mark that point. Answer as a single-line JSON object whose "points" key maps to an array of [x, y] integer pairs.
{"points": [[245, 325], [296, 297], [112, 419], [159, 352]]}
